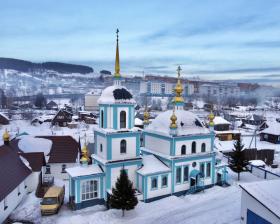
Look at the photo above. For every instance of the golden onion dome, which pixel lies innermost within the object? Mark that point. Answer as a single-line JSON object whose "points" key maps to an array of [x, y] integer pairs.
{"points": [[6, 136], [84, 158], [146, 117], [173, 119], [211, 117]]}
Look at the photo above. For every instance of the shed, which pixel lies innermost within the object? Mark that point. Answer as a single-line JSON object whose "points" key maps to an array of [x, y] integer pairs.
{"points": [[260, 202]]}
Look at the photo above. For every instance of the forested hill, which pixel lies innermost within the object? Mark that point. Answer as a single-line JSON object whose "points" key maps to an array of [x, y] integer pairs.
{"points": [[26, 66]]}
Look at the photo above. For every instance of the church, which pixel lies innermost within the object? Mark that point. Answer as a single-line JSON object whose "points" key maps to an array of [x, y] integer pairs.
{"points": [[176, 156]]}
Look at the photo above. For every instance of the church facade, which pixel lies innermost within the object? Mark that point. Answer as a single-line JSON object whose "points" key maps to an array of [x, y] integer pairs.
{"points": [[176, 157]]}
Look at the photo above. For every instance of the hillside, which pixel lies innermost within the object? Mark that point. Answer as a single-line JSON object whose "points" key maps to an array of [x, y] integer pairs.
{"points": [[26, 66]]}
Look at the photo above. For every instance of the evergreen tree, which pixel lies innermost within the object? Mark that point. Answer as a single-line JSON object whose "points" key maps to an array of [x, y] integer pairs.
{"points": [[123, 195], [237, 161], [40, 100]]}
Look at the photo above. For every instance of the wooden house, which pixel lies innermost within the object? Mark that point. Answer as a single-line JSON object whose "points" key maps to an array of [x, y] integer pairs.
{"points": [[52, 105], [62, 118], [271, 134]]}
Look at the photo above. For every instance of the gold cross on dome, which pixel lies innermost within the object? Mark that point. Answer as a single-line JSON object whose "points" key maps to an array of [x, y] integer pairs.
{"points": [[117, 32], [179, 71]]}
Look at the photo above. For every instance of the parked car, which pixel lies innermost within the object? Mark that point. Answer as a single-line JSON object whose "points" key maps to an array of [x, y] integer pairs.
{"points": [[52, 200]]}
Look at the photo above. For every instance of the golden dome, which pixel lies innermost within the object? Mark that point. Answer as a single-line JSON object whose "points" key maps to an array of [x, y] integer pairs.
{"points": [[173, 119], [178, 89], [6, 136], [146, 117], [211, 117], [84, 158]]}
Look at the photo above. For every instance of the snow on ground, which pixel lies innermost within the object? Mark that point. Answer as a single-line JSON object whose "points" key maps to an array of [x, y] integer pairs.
{"points": [[21, 126], [215, 205]]}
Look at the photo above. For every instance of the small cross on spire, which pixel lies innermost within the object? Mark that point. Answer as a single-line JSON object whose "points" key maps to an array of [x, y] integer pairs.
{"points": [[117, 32], [179, 71]]}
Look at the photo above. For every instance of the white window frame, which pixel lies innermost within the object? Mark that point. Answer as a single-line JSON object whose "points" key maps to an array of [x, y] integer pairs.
{"points": [[88, 191]]}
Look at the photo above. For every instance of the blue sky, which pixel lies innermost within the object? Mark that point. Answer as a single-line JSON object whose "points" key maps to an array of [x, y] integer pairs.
{"points": [[233, 39]]}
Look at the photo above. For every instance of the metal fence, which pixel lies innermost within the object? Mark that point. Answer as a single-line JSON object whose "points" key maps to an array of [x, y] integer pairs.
{"points": [[263, 173]]}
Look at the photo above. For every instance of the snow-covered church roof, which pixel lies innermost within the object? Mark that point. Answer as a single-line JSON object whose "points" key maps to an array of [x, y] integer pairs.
{"points": [[116, 94], [152, 165], [188, 123]]}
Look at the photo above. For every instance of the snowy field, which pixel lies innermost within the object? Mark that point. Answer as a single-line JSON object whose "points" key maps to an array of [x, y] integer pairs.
{"points": [[215, 205]]}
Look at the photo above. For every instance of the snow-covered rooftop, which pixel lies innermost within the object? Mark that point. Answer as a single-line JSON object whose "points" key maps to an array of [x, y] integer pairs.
{"points": [[273, 128], [138, 121], [220, 120], [29, 143], [266, 192], [188, 123], [116, 94], [152, 165], [79, 171]]}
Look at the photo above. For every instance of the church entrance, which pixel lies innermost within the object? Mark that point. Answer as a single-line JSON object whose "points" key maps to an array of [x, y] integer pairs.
{"points": [[196, 181]]}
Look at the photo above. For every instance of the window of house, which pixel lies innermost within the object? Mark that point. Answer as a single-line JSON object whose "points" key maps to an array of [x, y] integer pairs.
{"points": [[202, 169], [203, 147], [193, 147], [48, 169], [5, 204], [208, 170], [186, 173], [164, 181], [63, 167], [102, 119], [101, 148], [178, 174], [18, 190], [123, 146], [123, 119], [89, 190], [154, 183], [183, 150]]}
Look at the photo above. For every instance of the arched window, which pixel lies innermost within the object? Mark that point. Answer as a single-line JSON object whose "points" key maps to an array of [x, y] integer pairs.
{"points": [[183, 150], [123, 119], [101, 148], [193, 147], [102, 119], [123, 146], [203, 147]]}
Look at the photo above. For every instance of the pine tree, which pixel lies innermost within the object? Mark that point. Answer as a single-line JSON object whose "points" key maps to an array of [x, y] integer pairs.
{"points": [[123, 195], [237, 161]]}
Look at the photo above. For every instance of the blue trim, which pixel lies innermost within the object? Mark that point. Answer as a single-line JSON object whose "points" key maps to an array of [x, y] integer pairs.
{"points": [[105, 116], [146, 187], [213, 168], [138, 145], [156, 198], [89, 203], [115, 118], [109, 148]]}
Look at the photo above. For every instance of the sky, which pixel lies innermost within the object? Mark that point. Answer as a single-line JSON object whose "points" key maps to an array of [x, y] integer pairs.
{"points": [[217, 39]]}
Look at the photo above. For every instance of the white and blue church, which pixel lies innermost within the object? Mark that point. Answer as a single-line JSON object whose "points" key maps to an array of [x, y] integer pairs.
{"points": [[176, 155]]}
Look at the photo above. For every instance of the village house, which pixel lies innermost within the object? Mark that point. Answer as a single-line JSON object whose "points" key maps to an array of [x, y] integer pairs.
{"points": [[4, 120], [64, 153], [223, 131], [52, 105], [271, 133], [14, 178], [62, 118]]}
